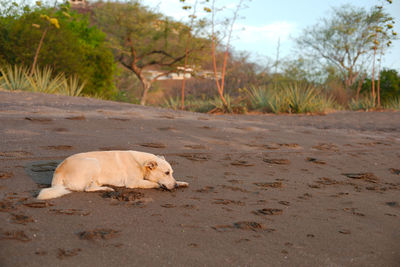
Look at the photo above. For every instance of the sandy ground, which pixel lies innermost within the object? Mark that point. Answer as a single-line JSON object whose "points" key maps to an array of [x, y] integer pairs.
{"points": [[264, 190]]}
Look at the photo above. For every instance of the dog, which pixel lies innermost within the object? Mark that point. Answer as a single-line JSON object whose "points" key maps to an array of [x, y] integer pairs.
{"points": [[90, 171]]}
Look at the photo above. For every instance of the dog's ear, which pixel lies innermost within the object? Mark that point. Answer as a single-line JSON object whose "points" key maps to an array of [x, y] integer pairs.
{"points": [[150, 165], [161, 157]]}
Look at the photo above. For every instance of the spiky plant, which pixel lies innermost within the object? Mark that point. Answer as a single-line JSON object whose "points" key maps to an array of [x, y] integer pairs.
{"points": [[393, 103], [258, 97], [363, 103], [43, 80], [71, 86], [172, 103], [14, 77]]}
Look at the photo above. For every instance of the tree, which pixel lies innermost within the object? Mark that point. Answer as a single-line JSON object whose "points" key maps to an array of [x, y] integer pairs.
{"points": [[389, 84], [344, 40], [189, 35], [144, 40], [220, 79], [381, 41]]}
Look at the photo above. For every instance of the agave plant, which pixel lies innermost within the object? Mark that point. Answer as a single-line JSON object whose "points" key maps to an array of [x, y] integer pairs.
{"points": [[42, 80], [14, 77], [172, 103], [363, 103], [220, 106], [393, 103], [301, 98], [259, 97], [71, 86]]}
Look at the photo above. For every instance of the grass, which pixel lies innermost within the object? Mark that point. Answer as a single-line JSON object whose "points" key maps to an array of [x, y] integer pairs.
{"points": [[393, 103], [363, 103]]}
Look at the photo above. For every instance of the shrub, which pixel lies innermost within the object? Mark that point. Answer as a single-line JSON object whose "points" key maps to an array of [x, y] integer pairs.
{"points": [[75, 48], [363, 103], [14, 78], [42, 80], [291, 98]]}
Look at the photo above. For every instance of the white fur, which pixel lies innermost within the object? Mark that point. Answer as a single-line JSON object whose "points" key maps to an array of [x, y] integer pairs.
{"points": [[90, 171]]}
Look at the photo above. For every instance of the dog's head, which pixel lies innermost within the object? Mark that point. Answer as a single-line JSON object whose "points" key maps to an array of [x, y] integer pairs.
{"points": [[158, 170]]}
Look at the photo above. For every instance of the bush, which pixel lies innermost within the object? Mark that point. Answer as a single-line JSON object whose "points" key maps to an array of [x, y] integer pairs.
{"points": [[74, 48], [291, 98], [363, 103], [42, 80]]}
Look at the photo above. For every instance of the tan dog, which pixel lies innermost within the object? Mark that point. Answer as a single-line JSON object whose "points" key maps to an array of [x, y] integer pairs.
{"points": [[90, 171]]}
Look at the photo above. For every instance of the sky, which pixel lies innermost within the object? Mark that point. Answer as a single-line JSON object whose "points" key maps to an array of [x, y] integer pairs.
{"points": [[264, 22]]}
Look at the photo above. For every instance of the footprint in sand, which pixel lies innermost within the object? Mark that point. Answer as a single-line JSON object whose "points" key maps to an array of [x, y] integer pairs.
{"points": [[153, 145], [242, 163], [206, 189], [365, 176], [326, 147], [195, 146], [6, 175], [316, 161], [195, 156], [6, 206], [268, 211], [15, 235], [58, 147], [123, 194], [76, 118], [220, 201], [62, 253], [21, 219], [70, 212], [395, 171], [100, 233], [277, 161], [119, 119], [38, 204], [39, 119], [15, 154], [269, 185], [243, 225]]}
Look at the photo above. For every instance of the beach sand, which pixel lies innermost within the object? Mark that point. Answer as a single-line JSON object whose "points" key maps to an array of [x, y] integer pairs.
{"points": [[265, 190]]}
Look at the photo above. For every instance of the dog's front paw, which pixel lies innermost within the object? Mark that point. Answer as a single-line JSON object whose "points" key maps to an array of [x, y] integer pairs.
{"points": [[182, 184]]}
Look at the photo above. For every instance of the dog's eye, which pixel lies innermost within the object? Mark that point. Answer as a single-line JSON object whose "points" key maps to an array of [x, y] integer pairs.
{"points": [[167, 173]]}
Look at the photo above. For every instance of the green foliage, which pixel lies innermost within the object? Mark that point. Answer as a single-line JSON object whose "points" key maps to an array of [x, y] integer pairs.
{"points": [[172, 103], [393, 103], [14, 78], [363, 103], [389, 84], [75, 48], [346, 40], [259, 98], [71, 86], [42, 80], [289, 98]]}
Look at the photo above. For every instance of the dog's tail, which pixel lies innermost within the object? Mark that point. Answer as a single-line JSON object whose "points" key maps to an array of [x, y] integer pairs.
{"points": [[53, 192], [57, 188]]}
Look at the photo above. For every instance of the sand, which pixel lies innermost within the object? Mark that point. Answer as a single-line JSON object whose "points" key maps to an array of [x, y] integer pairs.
{"points": [[265, 190]]}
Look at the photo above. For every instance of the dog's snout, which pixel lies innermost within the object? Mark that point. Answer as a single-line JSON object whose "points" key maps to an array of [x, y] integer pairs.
{"points": [[176, 185]]}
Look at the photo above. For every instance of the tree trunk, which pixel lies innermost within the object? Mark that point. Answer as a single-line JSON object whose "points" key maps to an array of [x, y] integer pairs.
{"points": [[378, 89], [38, 50], [360, 82], [373, 78], [184, 77], [146, 87]]}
